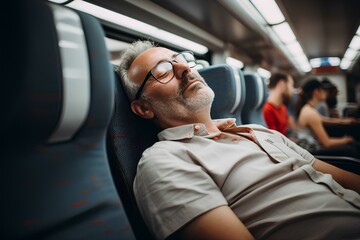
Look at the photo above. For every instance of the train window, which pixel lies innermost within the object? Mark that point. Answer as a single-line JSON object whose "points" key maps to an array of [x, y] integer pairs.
{"points": [[115, 48]]}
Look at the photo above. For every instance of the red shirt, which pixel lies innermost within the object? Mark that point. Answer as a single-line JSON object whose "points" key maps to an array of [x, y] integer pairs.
{"points": [[276, 117]]}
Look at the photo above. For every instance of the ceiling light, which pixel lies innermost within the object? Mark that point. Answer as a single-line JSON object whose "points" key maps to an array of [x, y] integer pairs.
{"points": [[284, 32], [264, 73], [345, 64], [305, 67], [334, 61], [355, 42], [315, 62], [325, 61], [350, 54], [234, 62], [269, 10], [294, 48], [59, 1], [303, 63], [250, 12], [138, 26]]}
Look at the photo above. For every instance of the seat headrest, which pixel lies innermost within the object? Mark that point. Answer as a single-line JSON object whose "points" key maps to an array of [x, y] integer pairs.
{"points": [[201, 64], [64, 87], [255, 91], [63, 58], [226, 84]]}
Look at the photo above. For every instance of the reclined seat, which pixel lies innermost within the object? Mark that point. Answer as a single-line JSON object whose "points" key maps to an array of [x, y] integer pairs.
{"points": [[129, 135], [56, 104], [256, 91]]}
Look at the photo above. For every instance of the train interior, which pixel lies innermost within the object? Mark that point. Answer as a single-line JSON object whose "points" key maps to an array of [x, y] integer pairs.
{"points": [[70, 142]]}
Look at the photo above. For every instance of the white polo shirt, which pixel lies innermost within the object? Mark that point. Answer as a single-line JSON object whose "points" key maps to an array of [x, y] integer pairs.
{"points": [[269, 183]]}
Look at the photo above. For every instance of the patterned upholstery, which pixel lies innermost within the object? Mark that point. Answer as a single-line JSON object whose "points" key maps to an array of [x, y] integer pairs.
{"points": [[57, 187], [228, 85], [256, 91], [128, 136]]}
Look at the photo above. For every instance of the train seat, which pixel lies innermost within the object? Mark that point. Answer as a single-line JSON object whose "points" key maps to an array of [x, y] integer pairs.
{"points": [[228, 85], [128, 136], [201, 64], [55, 177], [256, 91]]}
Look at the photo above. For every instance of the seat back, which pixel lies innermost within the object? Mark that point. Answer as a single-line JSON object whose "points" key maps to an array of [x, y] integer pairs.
{"points": [[228, 86], [201, 64], [291, 105], [128, 136], [256, 92], [54, 170]]}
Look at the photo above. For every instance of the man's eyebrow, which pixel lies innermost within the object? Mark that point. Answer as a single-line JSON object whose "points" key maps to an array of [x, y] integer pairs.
{"points": [[166, 59]]}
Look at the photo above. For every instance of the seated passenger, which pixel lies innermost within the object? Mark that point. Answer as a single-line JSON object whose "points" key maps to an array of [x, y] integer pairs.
{"points": [[281, 87], [327, 108], [310, 123], [211, 179]]}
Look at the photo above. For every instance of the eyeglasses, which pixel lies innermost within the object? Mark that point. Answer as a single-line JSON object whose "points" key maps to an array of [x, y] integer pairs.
{"points": [[163, 72]]}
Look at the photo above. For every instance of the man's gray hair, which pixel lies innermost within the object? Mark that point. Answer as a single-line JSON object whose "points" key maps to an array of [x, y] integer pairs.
{"points": [[126, 60]]}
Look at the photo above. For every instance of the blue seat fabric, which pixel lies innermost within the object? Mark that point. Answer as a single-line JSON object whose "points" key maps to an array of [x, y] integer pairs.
{"points": [[60, 190]]}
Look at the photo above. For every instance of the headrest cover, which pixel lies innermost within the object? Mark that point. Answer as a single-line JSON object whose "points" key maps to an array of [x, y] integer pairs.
{"points": [[75, 71], [255, 90], [64, 58], [32, 93], [221, 78]]}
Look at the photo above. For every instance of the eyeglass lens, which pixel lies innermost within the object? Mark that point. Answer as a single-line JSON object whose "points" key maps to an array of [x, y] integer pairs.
{"points": [[163, 72]]}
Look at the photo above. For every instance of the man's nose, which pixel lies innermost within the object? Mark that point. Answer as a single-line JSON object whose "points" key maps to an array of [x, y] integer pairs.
{"points": [[180, 69]]}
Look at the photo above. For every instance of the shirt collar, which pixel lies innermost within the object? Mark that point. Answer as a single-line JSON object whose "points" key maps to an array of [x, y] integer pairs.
{"points": [[196, 129]]}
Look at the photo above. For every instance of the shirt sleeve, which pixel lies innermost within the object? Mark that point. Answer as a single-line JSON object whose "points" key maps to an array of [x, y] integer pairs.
{"points": [[171, 190]]}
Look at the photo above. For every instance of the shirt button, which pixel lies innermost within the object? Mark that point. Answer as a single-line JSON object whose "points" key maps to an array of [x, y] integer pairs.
{"points": [[197, 128]]}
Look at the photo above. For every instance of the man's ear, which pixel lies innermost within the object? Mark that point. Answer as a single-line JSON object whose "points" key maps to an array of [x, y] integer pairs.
{"points": [[142, 109]]}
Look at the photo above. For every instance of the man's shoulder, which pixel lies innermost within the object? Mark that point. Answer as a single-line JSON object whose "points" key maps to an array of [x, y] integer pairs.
{"points": [[267, 106], [163, 146]]}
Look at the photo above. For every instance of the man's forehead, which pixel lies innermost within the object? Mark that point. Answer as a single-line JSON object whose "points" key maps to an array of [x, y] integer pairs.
{"points": [[153, 55]]}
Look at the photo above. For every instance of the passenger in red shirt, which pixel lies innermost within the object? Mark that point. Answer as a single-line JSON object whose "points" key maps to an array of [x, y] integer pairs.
{"points": [[281, 87]]}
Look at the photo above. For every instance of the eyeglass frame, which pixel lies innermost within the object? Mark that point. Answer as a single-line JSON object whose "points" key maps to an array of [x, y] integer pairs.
{"points": [[150, 74]]}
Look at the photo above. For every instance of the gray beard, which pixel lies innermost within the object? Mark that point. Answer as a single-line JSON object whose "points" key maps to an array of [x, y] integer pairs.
{"points": [[178, 105]]}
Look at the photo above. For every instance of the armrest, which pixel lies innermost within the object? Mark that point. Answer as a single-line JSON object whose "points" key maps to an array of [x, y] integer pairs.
{"points": [[347, 163]]}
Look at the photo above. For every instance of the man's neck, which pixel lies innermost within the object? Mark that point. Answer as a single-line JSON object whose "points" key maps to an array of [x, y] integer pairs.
{"points": [[275, 98], [192, 119]]}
